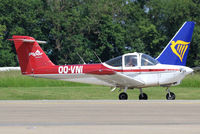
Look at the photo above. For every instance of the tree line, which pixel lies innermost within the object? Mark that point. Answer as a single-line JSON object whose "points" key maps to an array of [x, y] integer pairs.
{"points": [[108, 27]]}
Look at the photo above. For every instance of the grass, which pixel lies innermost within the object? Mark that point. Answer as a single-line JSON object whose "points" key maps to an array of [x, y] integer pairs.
{"points": [[14, 86], [15, 79], [90, 93], [192, 80]]}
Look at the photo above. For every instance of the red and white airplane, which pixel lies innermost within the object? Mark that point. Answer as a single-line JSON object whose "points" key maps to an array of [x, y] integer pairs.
{"points": [[132, 70]]}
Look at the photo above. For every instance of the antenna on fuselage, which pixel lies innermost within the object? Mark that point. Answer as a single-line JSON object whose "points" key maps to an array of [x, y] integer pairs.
{"points": [[81, 58], [97, 56]]}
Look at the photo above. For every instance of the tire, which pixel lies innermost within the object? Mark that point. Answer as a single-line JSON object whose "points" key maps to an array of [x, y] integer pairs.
{"points": [[143, 96], [123, 96], [173, 96]]}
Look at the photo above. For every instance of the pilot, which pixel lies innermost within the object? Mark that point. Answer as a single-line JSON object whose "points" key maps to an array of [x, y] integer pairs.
{"points": [[146, 63], [132, 62]]}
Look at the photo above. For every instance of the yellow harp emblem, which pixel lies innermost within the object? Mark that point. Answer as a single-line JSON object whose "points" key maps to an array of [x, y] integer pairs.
{"points": [[180, 49]]}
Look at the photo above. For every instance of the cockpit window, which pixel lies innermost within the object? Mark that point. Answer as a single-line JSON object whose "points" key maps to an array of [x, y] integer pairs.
{"points": [[147, 60], [116, 62], [131, 60]]}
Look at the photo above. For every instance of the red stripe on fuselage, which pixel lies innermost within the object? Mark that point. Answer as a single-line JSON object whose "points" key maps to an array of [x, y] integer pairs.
{"points": [[147, 70]]}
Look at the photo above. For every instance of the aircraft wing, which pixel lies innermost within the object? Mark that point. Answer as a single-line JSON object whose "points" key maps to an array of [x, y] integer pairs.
{"points": [[128, 80], [119, 79]]}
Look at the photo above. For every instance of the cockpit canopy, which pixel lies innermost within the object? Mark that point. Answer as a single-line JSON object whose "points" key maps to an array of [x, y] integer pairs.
{"points": [[131, 60]]}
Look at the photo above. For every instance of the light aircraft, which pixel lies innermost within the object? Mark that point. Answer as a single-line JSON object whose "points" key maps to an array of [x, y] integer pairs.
{"points": [[131, 70]]}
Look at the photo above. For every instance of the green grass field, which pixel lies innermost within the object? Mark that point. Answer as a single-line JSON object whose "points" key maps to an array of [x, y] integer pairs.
{"points": [[14, 86]]}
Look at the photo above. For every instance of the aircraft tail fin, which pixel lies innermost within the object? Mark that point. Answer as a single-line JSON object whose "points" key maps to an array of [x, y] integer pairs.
{"points": [[175, 53], [30, 54]]}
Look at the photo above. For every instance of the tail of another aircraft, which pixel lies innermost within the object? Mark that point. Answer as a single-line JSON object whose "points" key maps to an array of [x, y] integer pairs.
{"points": [[30, 54], [175, 53]]}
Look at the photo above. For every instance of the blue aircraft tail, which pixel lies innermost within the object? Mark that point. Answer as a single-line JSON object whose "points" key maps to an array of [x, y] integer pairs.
{"points": [[175, 53]]}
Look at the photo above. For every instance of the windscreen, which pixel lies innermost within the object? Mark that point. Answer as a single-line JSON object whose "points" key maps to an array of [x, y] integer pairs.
{"points": [[115, 62]]}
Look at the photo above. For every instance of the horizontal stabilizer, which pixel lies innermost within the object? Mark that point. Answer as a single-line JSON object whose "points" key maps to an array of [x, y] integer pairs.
{"points": [[31, 41]]}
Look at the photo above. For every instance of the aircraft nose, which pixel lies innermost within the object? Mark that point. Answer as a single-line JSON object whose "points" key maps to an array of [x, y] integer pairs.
{"points": [[189, 70]]}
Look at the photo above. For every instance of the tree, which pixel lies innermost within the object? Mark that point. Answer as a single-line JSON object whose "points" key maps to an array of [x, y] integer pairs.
{"points": [[20, 18], [6, 57], [110, 28]]}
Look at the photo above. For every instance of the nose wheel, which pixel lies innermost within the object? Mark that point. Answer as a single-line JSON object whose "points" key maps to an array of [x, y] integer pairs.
{"points": [[170, 95]]}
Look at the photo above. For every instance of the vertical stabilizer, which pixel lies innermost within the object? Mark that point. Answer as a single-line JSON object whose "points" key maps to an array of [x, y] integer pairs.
{"points": [[175, 53], [30, 54]]}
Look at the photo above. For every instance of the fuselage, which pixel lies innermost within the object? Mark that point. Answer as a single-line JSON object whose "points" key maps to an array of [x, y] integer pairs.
{"points": [[104, 74]]}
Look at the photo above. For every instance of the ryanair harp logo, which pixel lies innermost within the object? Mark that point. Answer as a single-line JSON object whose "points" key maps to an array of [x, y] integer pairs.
{"points": [[179, 48]]}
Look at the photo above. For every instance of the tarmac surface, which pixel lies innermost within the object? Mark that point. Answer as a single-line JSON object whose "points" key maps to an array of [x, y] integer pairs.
{"points": [[99, 117]]}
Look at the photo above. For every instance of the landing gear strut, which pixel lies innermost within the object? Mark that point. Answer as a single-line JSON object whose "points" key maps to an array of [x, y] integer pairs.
{"points": [[142, 95], [170, 95], [123, 95]]}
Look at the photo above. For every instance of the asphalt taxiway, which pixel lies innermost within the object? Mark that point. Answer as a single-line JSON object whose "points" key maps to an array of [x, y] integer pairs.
{"points": [[97, 116]]}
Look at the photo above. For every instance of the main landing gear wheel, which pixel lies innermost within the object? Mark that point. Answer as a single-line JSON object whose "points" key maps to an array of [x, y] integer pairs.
{"points": [[143, 96], [170, 96], [123, 96]]}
